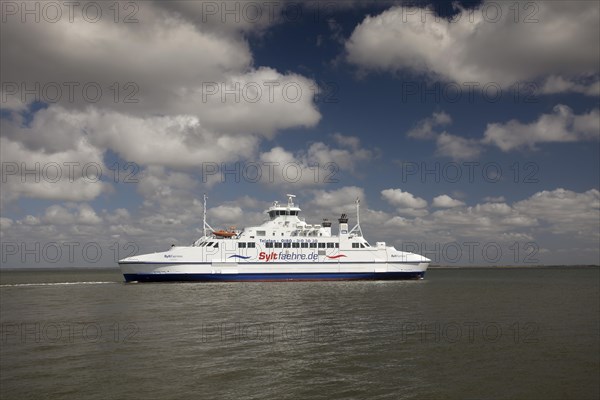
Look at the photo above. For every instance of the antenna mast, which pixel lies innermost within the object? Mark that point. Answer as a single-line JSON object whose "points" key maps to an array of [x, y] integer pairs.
{"points": [[357, 226], [205, 225]]}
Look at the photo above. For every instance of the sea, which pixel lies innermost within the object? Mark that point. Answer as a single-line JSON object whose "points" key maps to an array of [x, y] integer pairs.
{"points": [[461, 333]]}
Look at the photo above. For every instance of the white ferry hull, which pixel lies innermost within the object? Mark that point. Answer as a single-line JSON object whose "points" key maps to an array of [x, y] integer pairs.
{"points": [[284, 248], [231, 272]]}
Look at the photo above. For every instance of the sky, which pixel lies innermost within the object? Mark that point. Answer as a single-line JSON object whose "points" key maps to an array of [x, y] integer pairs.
{"points": [[469, 131]]}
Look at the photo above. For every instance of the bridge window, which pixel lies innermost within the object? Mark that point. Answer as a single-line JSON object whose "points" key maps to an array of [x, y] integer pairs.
{"points": [[242, 245], [355, 245], [216, 245]]}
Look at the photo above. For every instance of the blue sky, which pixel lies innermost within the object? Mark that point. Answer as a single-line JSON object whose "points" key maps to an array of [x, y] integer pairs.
{"points": [[504, 94]]}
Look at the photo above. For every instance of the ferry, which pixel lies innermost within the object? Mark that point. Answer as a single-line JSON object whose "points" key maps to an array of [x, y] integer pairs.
{"points": [[283, 248]]}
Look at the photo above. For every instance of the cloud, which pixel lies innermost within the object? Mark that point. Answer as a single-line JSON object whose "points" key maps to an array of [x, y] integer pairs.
{"points": [[482, 221], [338, 200], [281, 167], [560, 126], [171, 190], [226, 19], [565, 211], [319, 164], [31, 220], [84, 52], [494, 208], [196, 95], [119, 215], [352, 142], [260, 101], [445, 201], [5, 222], [337, 31], [448, 145], [87, 215], [226, 213], [557, 84], [81, 214], [398, 198], [425, 127], [346, 160], [195, 66], [568, 216], [484, 44], [494, 199], [74, 174], [458, 148], [412, 212], [174, 141]]}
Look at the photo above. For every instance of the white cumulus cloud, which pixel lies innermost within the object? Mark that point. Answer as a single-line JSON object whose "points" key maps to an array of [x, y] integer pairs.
{"points": [[484, 44], [398, 198], [445, 201], [560, 126]]}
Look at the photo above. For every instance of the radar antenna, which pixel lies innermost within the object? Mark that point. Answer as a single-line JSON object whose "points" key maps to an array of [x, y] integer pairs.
{"points": [[291, 198]]}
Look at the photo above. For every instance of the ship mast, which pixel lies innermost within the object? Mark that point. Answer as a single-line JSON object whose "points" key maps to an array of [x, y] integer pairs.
{"points": [[205, 225], [357, 226]]}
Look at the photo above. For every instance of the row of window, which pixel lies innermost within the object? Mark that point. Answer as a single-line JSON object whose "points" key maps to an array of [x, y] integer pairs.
{"points": [[275, 213], [329, 245], [269, 245], [294, 233]]}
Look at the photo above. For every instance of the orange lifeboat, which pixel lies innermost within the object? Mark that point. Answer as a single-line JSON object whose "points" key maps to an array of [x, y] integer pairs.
{"points": [[224, 233]]}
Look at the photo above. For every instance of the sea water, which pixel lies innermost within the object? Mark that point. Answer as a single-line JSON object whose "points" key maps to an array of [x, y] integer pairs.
{"points": [[464, 333]]}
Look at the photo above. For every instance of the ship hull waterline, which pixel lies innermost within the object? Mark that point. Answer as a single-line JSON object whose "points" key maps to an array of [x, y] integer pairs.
{"points": [[153, 273]]}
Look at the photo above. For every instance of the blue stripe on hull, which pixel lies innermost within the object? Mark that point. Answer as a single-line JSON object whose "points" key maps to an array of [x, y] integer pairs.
{"points": [[272, 277]]}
